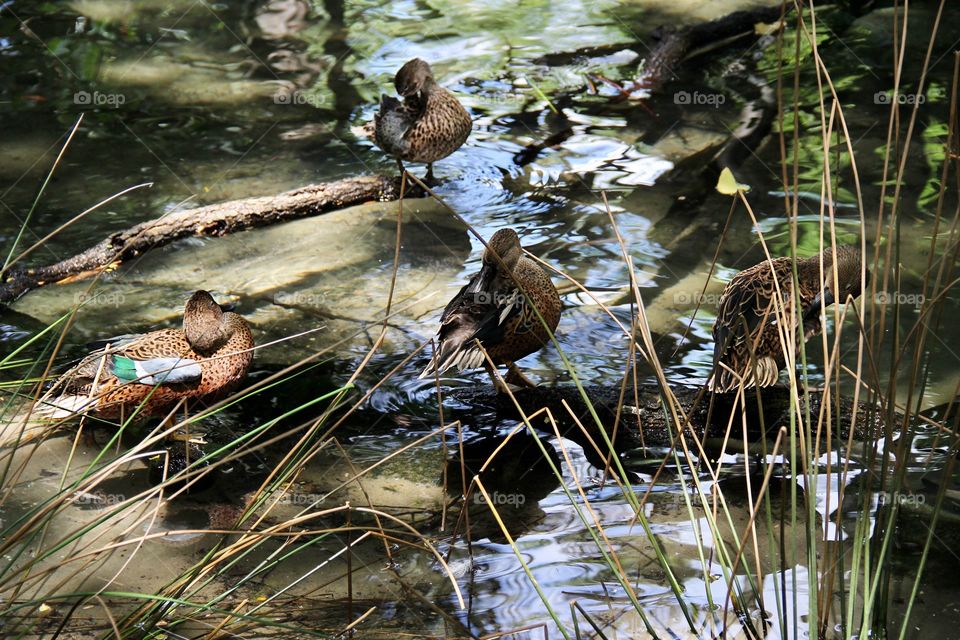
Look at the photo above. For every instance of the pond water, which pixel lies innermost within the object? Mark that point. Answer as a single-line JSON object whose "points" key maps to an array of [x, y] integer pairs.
{"points": [[201, 103]]}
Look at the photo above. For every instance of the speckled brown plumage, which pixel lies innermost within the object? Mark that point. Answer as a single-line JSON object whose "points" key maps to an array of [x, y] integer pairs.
{"points": [[497, 308], [747, 318], [429, 124], [219, 343]]}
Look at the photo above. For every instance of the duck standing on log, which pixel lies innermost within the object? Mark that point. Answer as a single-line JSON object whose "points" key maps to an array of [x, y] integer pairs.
{"points": [[151, 372], [748, 318], [509, 309], [429, 124]]}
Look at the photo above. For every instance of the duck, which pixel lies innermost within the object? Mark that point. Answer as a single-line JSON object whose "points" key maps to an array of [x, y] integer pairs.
{"points": [[427, 125], [747, 316], [508, 310], [149, 373]]}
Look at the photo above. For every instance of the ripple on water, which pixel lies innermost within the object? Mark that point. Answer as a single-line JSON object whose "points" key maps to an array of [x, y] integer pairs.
{"points": [[502, 588]]}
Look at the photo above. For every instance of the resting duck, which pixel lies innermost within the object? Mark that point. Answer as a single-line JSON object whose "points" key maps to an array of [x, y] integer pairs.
{"points": [[493, 312], [747, 315], [429, 124], [152, 371]]}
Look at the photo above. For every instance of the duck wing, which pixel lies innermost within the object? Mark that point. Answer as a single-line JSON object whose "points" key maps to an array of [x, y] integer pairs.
{"points": [[393, 121], [156, 371], [166, 343], [747, 308], [472, 316]]}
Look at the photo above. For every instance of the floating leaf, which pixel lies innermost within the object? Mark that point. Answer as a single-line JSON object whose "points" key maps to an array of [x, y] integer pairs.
{"points": [[728, 185]]}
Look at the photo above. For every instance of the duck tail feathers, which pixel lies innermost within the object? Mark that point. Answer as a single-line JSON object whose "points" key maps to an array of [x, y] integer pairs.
{"points": [[62, 406]]}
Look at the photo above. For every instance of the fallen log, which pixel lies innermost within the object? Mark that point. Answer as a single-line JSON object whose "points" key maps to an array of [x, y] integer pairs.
{"points": [[212, 220]]}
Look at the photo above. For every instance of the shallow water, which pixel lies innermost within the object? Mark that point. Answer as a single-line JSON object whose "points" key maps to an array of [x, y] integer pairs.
{"points": [[214, 102]]}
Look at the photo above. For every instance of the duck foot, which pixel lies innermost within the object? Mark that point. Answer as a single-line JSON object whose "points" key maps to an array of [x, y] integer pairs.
{"points": [[428, 179], [516, 378], [503, 386]]}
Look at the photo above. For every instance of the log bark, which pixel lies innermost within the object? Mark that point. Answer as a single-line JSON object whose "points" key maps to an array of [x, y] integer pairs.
{"points": [[212, 220]]}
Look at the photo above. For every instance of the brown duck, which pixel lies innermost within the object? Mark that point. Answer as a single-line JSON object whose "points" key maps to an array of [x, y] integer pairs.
{"points": [[151, 372], [747, 318], [429, 124], [497, 311]]}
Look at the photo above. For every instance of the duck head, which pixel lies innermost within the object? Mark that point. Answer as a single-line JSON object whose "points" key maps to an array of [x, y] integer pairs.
{"points": [[848, 261], [501, 256], [203, 323], [413, 77]]}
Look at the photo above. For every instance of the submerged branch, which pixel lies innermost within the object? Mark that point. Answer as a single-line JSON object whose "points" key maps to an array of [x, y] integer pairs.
{"points": [[643, 421], [674, 47]]}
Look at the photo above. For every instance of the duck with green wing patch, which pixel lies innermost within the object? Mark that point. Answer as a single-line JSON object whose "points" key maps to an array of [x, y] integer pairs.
{"points": [[150, 372]]}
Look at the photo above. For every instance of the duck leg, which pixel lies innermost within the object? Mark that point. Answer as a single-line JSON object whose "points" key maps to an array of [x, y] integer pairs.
{"points": [[499, 384], [516, 378], [400, 165], [428, 179]]}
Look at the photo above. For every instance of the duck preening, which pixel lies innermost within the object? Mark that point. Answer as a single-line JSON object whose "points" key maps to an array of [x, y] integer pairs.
{"points": [[427, 125], [150, 372], [750, 318], [508, 309]]}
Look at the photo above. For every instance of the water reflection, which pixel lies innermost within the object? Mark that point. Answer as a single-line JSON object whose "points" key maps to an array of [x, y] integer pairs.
{"points": [[516, 472]]}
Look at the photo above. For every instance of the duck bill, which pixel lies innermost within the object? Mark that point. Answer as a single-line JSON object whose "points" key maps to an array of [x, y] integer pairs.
{"points": [[812, 312]]}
